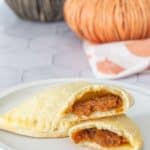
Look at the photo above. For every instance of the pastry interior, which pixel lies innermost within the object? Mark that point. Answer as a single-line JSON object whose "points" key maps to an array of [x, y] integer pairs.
{"points": [[102, 137], [91, 102]]}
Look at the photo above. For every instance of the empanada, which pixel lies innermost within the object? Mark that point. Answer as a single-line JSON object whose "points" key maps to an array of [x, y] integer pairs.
{"points": [[97, 101], [54, 111], [112, 133]]}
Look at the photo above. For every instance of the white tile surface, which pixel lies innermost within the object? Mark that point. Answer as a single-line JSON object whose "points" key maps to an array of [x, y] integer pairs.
{"points": [[144, 78], [9, 77], [11, 42], [25, 60], [33, 51], [50, 71]]}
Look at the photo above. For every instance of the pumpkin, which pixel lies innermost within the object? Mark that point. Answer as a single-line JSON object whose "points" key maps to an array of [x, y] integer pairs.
{"points": [[101, 21], [38, 10]]}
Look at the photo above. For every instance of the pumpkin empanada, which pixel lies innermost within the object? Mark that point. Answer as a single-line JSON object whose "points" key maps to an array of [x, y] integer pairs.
{"points": [[54, 111], [97, 101], [112, 133]]}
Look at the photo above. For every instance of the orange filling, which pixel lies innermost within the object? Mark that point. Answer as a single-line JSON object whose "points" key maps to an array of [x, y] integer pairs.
{"points": [[104, 138], [97, 103]]}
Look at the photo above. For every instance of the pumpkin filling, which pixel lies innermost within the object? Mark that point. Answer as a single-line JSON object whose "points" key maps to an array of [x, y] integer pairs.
{"points": [[101, 103], [104, 138]]}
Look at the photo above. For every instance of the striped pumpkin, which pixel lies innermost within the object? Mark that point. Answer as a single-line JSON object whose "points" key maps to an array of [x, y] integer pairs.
{"points": [[38, 10], [101, 21]]}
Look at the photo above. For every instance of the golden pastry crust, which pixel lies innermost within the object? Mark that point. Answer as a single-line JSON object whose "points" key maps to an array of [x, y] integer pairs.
{"points": [[121, 125]]}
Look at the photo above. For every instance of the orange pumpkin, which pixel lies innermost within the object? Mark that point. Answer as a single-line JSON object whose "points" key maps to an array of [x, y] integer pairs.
{"points": [[101, 21]]}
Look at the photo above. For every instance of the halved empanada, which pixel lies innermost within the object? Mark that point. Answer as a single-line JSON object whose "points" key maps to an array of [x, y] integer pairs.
{"points": [[51, 113], [39, 115], [112, 133], [96, 101]]}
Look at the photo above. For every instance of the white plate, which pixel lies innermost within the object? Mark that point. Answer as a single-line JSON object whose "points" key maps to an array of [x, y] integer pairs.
{"points": [[140, 113]]}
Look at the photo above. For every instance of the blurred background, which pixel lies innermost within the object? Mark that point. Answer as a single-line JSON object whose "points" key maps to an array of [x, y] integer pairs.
{"points": [[37, 51]]}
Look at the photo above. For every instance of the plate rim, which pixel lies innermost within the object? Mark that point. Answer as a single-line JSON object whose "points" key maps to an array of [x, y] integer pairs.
{"points": [[55, 80], [22, 86]]}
